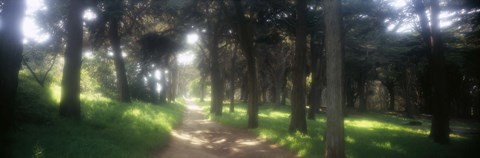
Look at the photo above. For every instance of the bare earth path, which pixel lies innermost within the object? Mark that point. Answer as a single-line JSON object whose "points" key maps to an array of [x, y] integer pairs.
{"points": [[198, 137]]}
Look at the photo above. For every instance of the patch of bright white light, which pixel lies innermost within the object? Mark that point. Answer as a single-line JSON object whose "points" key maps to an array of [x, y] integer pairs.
{"points": [[186, 58], [89, 15], [397, 3], [157, 74], [192, 38], [159, 88], [31, 31], [88, 54]]}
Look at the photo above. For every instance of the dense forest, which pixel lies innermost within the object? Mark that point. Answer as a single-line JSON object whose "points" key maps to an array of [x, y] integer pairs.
{"points": [[318, 78]]}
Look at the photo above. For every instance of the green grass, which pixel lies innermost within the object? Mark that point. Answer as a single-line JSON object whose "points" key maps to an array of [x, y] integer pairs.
{"points": [[368, 135], [107, 129]]}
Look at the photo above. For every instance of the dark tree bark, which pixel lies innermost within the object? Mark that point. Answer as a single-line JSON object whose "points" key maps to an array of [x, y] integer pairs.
{"points": [[298, 120], [313, 95], [437, 71], [11, 48], [70, 99], [244, 89], [232, 82], [202, 87], [362, 94], [246, 43], [122, 83], [334, 137], [315, 92], [408, 88], [391, 92], [217, 81], [350, 93]]}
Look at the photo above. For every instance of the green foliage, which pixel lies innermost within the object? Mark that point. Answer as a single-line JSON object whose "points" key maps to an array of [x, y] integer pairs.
{"points": [[372, 135], [107, 129]]}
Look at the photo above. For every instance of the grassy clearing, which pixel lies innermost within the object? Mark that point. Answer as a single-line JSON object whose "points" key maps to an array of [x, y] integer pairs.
{"points": [[108, 128], [370, 135]]}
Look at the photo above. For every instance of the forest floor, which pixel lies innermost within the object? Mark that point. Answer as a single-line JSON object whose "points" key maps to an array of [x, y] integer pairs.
{"points": [[197, 136]]}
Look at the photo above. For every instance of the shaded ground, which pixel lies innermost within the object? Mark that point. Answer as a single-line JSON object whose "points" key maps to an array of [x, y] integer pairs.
{"points": [[202, 138]]}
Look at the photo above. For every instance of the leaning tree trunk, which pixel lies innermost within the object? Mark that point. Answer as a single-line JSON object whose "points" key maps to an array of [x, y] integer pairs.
{"points": [[297, 117], [431, 36], [334, 137], [11, 48], [70, 99], [122, 83], [246, 43]]}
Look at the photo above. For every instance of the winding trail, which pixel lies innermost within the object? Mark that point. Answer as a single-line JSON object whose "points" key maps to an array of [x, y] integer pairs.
{"points": [[201, 138]]}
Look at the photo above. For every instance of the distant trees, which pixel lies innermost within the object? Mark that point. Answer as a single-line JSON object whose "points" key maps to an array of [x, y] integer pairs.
{"points": [[334, 136], [70, 99]]}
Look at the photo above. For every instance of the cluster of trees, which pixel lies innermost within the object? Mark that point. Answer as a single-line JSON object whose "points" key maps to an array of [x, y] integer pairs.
{"points": [[343, 55]]}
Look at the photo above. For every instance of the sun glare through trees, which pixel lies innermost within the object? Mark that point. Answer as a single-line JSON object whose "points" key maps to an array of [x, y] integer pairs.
{"points": [[239, 78]]}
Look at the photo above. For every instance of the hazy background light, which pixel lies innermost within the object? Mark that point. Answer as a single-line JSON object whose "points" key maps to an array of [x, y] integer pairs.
{"points": [[89, 15], [192, 38], [186, 58]]}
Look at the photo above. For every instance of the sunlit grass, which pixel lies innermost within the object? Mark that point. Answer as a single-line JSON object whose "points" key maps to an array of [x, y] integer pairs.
{"points": [[367, 135], [107, 129]]}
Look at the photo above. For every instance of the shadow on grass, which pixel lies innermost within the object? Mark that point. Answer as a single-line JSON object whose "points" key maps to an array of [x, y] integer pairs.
{"points": [[371, 135]]}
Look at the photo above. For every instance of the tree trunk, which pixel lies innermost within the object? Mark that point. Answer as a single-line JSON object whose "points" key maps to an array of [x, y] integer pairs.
{"points": [[409, 89], [70, 99], [350, 94], [232, 82], [11, 48], [244, 89], [391, 93], [122, 83], [297, 117], [217, 81], [202, 87], [362, 94], [315, 88], [431, 36], [246, 43], [334, 137], [162, 96]]}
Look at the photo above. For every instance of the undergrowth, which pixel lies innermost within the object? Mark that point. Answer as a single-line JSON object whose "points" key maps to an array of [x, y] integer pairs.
{"points": [[107, 128]]}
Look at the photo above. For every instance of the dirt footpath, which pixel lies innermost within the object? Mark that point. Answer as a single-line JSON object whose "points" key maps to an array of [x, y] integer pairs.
{"points": [[197, 137]]}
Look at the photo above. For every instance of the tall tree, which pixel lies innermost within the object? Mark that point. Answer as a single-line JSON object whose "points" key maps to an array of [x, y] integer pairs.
{"points": [[232, 80], [70, 99], [430, 31], [215, 72], [334, 137], [115, 12], [298, 120], [11, 48], [246, 43]]}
